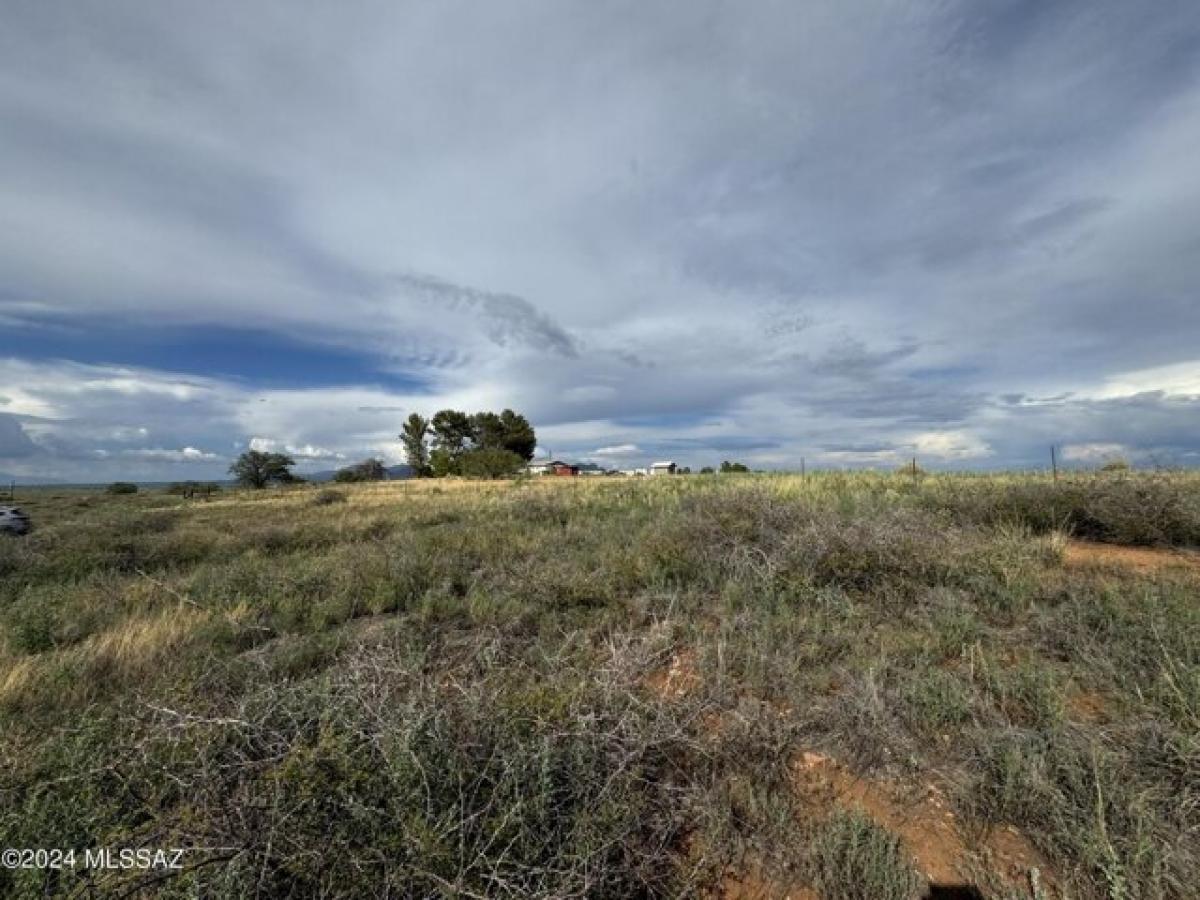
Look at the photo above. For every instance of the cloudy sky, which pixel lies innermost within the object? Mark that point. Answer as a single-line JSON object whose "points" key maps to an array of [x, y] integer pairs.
{"points": [[851, 232]]}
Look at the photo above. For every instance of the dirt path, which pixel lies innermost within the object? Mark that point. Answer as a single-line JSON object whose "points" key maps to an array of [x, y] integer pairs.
{"points": [[1087, 554]]}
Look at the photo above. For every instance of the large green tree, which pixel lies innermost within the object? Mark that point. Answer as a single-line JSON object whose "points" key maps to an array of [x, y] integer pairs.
{"points": [[457, 434], [519, 436], [257, 469], [416, 451], [453, 431]]}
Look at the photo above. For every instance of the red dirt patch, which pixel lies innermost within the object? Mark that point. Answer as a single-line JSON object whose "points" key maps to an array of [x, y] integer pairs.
{"points": [[924, 823], [752, 887], [1087, 554], [1087, 706], [677, 679]]}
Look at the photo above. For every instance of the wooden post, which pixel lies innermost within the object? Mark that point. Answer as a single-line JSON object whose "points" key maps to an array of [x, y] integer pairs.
{"points": [[914, 468], [803, 474], [1054, 462]]}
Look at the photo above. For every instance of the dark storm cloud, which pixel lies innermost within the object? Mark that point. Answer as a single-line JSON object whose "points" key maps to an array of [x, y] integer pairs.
{"points": [[961, 229], [14, 442], [505, 318]]}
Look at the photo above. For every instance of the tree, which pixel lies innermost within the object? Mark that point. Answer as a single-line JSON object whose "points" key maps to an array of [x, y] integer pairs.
{"points": [[519, 436], [456, 434], [707, 470], [122, 487], [412, 436], [453, 431], [256, 469], [443, 463], [487, 431], [489, 462], [367, 470], [728, 466]]}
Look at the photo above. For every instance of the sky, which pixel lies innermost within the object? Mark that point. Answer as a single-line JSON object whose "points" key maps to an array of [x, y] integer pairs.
{"points": [[839, 231]]}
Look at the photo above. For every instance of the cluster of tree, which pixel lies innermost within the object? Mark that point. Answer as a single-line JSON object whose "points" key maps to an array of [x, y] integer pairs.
{"points": [[726, 467], [367, 470], [483, 445], [122, 487]]}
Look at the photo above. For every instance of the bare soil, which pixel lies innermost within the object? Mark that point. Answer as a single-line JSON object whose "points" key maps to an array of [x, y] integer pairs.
{"points": [[925, 824], [1084, 554]]}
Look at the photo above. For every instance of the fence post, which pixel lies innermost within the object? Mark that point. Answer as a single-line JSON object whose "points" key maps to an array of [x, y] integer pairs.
{"points": [[1054, 462]]}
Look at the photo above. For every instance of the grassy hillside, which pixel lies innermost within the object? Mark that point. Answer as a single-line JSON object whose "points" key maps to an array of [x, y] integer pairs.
{"points": [[844, 686]]}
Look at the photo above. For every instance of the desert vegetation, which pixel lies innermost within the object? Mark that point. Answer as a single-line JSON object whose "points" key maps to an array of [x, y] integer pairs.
{"points": [[839, 686]]}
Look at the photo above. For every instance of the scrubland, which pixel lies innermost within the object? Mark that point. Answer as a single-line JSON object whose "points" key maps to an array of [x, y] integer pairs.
{"points": [[840, 686]]}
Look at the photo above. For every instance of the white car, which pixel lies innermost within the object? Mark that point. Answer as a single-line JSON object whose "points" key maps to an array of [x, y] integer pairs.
{"points": [[13, 521]]}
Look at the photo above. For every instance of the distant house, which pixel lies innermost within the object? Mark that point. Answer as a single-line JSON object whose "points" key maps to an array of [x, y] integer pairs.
{"points": [[554, 467], [662, 468]]}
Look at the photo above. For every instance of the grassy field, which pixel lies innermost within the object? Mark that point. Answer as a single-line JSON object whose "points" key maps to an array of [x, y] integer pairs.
{"points": [[845, 686]]}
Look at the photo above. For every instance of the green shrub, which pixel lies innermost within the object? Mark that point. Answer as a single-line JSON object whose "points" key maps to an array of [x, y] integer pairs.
{"points": [[852, 858], [122, 487]]}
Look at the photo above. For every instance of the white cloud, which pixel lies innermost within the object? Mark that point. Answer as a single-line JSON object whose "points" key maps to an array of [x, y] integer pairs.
{"points": [[158, 454], [1091, 453], [951, 445], [300, 452], [1179, 379], [617, 450]]}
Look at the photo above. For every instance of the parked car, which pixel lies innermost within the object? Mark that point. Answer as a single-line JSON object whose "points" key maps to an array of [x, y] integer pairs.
{"points": [[13, 521]]}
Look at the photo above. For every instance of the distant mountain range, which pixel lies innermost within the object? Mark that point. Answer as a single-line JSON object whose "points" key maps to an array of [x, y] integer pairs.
{"points": [[394, 473]]}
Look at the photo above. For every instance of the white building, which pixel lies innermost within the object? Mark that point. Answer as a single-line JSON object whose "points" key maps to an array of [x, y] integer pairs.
{"points": [[662, 468]]}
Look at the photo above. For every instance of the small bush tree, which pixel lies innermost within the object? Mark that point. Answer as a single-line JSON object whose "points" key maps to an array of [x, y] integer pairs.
{"points": [[490, 463], [193, 488], [728, 467], [122, 487], [367, 470]]}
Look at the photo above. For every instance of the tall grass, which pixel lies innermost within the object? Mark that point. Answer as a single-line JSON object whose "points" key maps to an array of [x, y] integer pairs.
{"points": [[448, 689]]}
